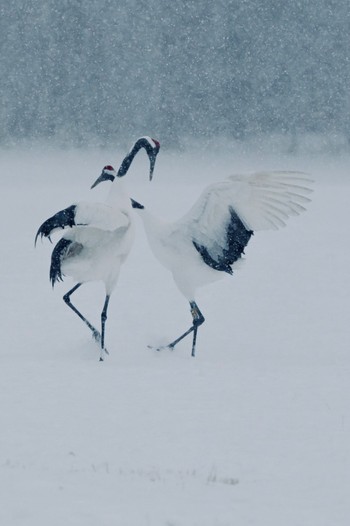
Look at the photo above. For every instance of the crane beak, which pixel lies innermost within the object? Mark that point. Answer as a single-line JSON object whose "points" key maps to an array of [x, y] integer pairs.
{"points": [[135, 204], [152, 158], [105, 176]]}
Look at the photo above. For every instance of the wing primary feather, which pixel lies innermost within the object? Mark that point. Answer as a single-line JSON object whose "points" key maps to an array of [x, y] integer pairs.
{"points": [[278, 207]]}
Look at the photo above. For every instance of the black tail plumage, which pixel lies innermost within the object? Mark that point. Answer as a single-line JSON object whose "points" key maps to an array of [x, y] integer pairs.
{"points": [[58, 254], [237, 237]]}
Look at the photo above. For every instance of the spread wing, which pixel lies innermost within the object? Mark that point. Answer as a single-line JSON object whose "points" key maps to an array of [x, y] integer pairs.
{"points": [[266, 200], [224, 217], [84, 214]]}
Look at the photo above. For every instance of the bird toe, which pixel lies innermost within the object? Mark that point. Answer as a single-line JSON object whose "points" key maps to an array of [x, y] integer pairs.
{"points": [[160, 347]]}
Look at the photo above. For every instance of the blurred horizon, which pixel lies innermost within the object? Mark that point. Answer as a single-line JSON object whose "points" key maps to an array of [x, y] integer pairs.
{"points": [[100, 73]]}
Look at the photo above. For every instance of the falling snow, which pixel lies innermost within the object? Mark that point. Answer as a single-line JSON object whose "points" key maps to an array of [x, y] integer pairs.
{"points": [[255, 430], [102, 71]]}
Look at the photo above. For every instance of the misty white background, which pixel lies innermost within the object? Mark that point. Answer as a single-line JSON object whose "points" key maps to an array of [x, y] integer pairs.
{"points": [[254, 430]]}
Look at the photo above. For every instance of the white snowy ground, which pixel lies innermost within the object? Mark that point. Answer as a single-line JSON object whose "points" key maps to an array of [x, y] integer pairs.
{"points": [[253, 431]]}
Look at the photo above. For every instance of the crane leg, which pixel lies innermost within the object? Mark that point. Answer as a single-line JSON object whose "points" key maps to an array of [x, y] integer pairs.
{"points": [[66, 299], [198, 319], [103, 324]]}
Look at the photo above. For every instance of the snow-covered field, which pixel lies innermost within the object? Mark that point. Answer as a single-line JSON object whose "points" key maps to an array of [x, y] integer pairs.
{"points": [[254, 431]]}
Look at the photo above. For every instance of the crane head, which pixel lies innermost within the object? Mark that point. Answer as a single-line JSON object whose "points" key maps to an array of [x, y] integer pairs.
{"points": [[108, 174], [151, 146]]}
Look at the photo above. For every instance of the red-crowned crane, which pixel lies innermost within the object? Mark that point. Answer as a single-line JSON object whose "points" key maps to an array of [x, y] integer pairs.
{"points": [[98, 238], [210, 239]]}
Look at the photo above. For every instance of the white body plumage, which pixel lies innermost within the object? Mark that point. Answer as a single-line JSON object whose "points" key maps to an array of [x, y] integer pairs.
{"points": [[210, 239], [98, 236], [102, 239]]}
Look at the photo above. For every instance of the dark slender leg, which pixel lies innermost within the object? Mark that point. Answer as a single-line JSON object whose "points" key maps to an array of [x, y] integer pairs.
{"points": [[198, 319], [103, 323], [66, 299], [194, 341]]}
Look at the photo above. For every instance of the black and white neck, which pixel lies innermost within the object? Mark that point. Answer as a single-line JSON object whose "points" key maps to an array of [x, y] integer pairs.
{"points": [[152, 148]]}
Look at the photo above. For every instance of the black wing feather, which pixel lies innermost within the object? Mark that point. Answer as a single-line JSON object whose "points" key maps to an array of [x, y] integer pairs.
{"points": [[62, 219], [237, 238], [64, 249]]}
